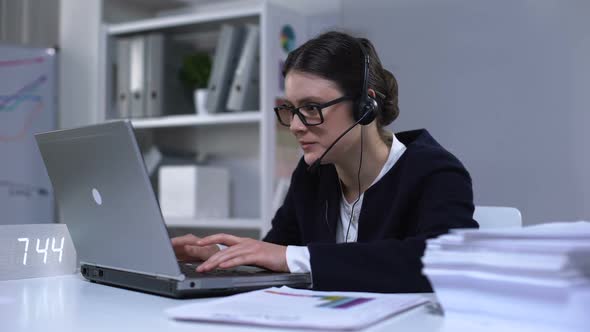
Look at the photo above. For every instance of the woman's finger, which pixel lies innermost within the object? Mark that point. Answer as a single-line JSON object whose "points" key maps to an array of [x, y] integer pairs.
{"points": [[226, 239], [184, 240], [214, 261], [198, 252], [247, 259], [224, 255]]}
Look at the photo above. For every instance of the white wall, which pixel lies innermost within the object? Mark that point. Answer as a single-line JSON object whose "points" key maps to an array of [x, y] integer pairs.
{"points": [[505, 85]]}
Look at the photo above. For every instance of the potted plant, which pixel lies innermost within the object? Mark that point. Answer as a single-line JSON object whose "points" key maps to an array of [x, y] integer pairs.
{"points": [[194, 74]]}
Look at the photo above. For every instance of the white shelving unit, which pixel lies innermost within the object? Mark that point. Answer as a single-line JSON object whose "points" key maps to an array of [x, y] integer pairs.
{"points": [[184, 20], [256, 189], [198, 120]]}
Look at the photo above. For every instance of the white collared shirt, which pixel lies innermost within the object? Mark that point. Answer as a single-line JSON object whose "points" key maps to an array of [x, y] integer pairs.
{"points": [[298, 256]]}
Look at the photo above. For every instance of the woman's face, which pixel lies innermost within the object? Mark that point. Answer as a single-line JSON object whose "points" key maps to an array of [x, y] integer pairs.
{"points": [[302, 89]]}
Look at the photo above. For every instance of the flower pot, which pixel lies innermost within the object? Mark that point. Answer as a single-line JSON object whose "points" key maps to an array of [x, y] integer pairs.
{"points": [[200, 99]]}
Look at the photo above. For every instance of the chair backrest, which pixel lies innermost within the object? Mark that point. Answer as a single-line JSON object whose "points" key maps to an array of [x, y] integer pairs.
{"points": [[497, 217]]}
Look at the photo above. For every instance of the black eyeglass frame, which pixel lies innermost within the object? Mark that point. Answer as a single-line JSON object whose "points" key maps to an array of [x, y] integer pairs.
{"points": [[320, 107]]}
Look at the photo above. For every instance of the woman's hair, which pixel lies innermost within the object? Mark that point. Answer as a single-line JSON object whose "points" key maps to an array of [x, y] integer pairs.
{"points": [[337, 57]]}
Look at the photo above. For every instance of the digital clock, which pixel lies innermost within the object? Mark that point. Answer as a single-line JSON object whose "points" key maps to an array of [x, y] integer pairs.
{"points": [[36, 250]]}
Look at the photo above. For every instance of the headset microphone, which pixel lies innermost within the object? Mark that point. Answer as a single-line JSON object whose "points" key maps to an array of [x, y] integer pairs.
{"points": [[364, 110], [316, 164]]}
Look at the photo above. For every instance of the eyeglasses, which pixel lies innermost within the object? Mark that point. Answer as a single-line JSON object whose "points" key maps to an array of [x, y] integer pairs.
{"points": [[309, 114]]}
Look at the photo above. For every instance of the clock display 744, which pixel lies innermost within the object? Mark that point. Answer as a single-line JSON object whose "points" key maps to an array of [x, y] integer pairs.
{"points": [[36, 250]]}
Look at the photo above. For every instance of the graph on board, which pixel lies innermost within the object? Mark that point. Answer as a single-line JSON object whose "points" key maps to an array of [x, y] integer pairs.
{"points": [[20, 108], [329, 301], [27, 107]]}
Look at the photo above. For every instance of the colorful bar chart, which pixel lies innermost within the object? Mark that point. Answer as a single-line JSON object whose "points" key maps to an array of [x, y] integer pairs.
{"points": [[332, 302]]}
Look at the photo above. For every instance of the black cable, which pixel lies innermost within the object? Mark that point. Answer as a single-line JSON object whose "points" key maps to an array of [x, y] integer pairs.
{"points": [[358, 181], [316, 164]]}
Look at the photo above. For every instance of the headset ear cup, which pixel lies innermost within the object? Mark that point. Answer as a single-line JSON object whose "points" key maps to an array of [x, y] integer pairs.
{"points": [[357, 111], [367, 109]]}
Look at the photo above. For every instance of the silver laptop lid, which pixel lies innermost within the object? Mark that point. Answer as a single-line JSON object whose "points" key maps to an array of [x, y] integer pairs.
{"points": [[105, 197]]}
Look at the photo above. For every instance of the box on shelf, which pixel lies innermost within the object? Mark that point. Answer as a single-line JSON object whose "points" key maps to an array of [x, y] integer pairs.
{"points": [[192, 191]]}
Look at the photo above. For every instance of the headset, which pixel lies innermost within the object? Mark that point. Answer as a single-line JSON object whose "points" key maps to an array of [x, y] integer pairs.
{"points": [[364, 110], [366, 107]]}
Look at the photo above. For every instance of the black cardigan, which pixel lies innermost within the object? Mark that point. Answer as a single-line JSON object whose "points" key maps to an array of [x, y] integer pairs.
{"points": [[427, 192]]}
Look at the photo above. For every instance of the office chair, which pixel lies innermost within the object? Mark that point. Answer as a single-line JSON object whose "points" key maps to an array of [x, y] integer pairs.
{"points": [[497, 217]]}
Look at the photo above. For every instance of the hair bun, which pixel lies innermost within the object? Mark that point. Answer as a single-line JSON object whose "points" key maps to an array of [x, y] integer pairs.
{"points": [[390, 110]]}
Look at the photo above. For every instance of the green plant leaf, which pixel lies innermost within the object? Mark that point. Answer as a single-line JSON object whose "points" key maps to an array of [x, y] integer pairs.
{"points": [[195, 71]]}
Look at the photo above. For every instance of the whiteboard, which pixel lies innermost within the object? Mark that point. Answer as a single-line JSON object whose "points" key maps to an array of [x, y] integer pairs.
{"points": [[27, 106]]}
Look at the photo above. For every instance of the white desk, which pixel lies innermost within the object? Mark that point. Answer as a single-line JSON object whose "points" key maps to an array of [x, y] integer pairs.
{"points": [[70, 303]]}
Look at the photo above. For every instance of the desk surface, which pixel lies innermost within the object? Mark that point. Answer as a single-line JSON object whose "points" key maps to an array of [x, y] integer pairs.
{"points": [[70, 303]]}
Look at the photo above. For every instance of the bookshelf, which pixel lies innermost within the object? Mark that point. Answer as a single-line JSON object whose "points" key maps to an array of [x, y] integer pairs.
{"points": [[253, 117], [183, 20], [243, 141]]}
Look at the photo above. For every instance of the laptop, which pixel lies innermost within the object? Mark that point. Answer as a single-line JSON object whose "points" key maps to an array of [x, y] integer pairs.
{"points": [[104, 195]]}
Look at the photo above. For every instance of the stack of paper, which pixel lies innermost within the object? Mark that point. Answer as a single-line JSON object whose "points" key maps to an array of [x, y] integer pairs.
{"points": [[296, 308], [538, 274]]}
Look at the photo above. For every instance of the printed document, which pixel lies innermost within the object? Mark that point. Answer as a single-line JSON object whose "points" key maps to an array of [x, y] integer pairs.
{"points": [[296, 308]]}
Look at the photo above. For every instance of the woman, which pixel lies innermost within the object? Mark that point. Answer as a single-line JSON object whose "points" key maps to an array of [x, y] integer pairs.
{"points": [[362, 200]]}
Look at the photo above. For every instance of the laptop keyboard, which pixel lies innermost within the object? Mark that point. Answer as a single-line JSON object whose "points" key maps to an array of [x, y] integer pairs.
{"points": [[189, 270]]}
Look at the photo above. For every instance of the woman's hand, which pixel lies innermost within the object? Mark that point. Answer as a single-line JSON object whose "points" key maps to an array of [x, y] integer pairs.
{"points": [[187, 249], [244, 251]]}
